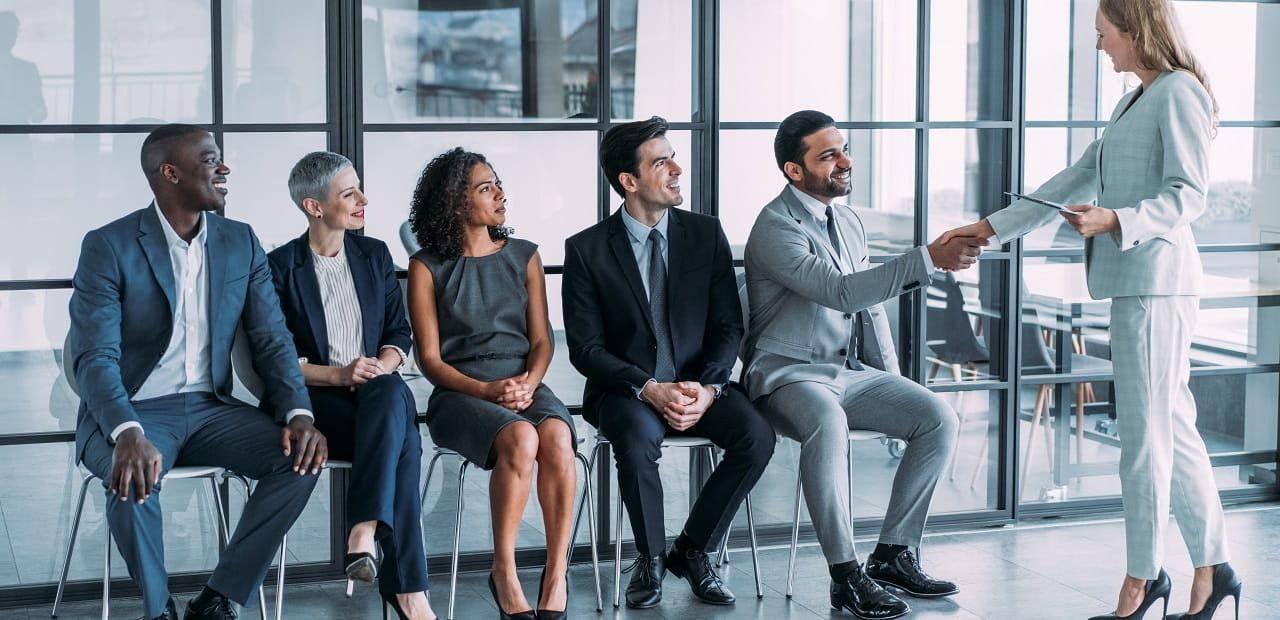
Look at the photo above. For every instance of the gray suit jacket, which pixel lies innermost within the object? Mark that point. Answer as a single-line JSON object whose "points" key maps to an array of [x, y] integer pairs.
{"points": [[802, 307], [1151, 166]]}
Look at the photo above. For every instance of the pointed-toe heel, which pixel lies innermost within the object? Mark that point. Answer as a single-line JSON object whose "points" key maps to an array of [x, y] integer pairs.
{"points": [[1225, 583], [1157, 589], [528, 614], [549, 614]]}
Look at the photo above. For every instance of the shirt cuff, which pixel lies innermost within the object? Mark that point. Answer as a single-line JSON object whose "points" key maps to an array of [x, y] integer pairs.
{"points": [[404, 357], [928, 261], [640, 389], [718, 387], [124, 426], [288, 417]]}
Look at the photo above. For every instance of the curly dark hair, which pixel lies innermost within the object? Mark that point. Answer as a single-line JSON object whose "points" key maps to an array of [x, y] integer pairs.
{"points": [[439, 210]]}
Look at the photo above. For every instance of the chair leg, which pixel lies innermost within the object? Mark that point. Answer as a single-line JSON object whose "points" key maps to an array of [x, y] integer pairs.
{"points": [[795, 536], [591, 529], [426, 484], [106, 574], [955, 454], [1079, 422], [71, 542], [1048, 432], [617, 552], [982, 457], [457, 535], [755, 550], [284, 544], [1041, 395], [588, 464]]}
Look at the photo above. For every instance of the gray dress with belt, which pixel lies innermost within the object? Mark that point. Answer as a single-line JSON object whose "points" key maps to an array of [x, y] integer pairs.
{"points": [[482, 312]]}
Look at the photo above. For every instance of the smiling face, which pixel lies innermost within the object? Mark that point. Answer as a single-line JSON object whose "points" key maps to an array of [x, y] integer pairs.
{"points": [[487, 201], [1117, 44], [657, 183], [827, 166], [343, 206], [197, 172]]}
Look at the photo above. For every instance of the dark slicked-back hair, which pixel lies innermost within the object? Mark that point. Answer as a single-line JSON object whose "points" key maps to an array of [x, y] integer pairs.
{"points": [[788, 144], [156, 149], [439, 210], [620, 148]]}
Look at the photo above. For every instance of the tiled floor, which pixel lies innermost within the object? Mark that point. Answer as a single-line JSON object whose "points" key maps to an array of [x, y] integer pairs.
{"points": [[1045, 570]]}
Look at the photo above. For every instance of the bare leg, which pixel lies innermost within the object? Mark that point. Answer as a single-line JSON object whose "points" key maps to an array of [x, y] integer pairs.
{"points": [[1201, 588], [361, 540], [1131, 595], [557, 484], [416, 606], [514, 452]]}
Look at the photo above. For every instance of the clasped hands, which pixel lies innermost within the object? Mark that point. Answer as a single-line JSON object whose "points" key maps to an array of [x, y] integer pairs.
{"points": [[681, 404], [514, 393], [360, 371]]}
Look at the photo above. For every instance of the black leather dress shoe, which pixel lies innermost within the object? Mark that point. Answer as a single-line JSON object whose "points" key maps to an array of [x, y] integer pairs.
{"points": [[217, 608], [904, 573], [645, 589], [170, 612], [864, 598], [695, 566]]}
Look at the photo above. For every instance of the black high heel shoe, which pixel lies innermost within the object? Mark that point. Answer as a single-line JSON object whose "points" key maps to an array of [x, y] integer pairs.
{"points": [[1225, 583], [1157, 589], [390, 600], [502, 615], [362, 567], [548, 614]]}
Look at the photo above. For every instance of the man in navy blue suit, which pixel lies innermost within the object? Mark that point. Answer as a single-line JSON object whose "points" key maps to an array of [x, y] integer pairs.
{"points": [[158, 297]]}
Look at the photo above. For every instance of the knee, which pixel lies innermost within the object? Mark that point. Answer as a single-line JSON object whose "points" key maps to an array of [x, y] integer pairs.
{"points": [[517, 446], [759, 443], [635, 452], [941, 420], [555, 445]]}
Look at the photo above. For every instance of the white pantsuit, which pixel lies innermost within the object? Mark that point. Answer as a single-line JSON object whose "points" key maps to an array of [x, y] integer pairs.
{"points": [[1151, 167]]}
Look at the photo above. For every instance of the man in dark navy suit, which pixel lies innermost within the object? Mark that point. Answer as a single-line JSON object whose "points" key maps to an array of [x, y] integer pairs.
{"points": [[158, 295], [653, 321]]}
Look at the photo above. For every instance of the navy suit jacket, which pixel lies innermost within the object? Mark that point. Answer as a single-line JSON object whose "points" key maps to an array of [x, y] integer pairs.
{"points": [[122, 317], [606, 312], [381, 304]]}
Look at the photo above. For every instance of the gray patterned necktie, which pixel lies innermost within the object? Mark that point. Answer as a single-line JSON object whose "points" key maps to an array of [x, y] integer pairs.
{"points": [[664, 368], [855, 335]]}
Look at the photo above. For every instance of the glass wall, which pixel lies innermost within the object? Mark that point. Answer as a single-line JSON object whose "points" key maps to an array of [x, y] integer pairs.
{"points": [[939, 124]]}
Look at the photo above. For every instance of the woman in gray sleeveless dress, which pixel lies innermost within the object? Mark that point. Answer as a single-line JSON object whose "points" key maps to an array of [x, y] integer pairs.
{"points": [[478, 304]]}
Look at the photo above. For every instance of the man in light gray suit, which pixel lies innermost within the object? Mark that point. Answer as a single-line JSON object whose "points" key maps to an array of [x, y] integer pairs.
{"points": [[820, 360]]}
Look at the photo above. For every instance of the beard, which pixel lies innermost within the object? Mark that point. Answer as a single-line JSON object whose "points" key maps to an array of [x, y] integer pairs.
{"points": [[826, 187]]}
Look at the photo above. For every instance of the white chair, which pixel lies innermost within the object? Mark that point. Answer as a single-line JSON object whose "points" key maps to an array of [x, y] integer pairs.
{"points": [[689, 443], [854, 435]]}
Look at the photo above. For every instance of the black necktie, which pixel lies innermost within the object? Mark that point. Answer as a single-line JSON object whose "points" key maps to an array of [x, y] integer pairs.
{"points": [[664, 369], [851, 357]]}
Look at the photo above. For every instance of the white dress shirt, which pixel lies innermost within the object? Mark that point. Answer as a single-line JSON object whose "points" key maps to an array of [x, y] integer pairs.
{"points": [[343, 320]]}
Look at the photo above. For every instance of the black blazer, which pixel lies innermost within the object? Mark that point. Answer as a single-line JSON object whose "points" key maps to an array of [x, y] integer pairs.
{"points": [[381, 305], [606, 311]]}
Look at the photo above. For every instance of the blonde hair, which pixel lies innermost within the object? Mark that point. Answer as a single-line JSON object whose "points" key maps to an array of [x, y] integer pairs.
{"points": [[1157, 38]]}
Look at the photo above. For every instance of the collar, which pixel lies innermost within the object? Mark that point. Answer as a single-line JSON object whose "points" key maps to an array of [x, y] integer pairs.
{"points": [[171, 238], [639, 232], [813, 205]]}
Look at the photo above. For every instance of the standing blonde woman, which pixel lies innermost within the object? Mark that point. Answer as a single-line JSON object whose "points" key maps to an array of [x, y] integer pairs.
{"points": [[1149, 173]]}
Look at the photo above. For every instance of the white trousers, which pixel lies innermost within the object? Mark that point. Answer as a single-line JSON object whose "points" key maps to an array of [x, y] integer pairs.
{"points": [[1163, 460]]}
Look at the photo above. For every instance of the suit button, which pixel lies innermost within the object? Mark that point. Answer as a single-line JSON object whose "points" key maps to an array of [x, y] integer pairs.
{"points": [[848, 316], [842, 352], [133, 391], [1135, 243]]}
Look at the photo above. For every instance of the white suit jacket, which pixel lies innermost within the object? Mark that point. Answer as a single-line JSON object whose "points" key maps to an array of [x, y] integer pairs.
{"points": [[1151, 166]]}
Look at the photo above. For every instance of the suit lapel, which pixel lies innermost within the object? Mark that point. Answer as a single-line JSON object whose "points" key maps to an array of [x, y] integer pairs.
{"points": [[620, 243], [363, 278], [308, 291], [810, 224], [156, 249]]}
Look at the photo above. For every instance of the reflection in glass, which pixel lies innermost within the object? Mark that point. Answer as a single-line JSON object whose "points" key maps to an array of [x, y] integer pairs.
{"points": [[258, 184], [883, 184], [33, 325], [549, 178], [502, 59], [964, 324], [122, 73], [273, 61], [967, 59], [647, 73]]}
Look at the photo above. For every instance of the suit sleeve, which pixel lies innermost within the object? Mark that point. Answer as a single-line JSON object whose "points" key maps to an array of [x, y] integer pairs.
{"points": [[274, 357], [95, 334], [395, 324], [724, 317], [584, 328], [1185, 123], [1076, 184], [781, 253]]}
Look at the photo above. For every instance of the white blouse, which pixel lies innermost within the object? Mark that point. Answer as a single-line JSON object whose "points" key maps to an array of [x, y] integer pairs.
{"points": [[342, 318]]}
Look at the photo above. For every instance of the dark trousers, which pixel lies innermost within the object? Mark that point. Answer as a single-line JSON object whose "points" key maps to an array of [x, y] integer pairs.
{"points": [[196, 428], [375, 428], [636, 431]]}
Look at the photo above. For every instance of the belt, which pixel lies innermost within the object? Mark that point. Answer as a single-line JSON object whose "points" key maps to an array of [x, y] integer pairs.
{"points": [[487, 356]]}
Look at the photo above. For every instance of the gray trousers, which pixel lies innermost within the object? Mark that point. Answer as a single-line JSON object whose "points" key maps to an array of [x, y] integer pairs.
{"points": [[819, 416], [1163, 461]]}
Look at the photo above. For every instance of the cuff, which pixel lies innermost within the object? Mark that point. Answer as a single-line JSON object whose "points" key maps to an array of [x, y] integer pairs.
{"points": [[718, 387], [640, 389], [288, 417], [404, 357], [1127, 235], [928, 260], [124, 426]]}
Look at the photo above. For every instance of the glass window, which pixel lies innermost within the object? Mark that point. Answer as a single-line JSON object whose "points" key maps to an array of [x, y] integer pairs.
{"points": [[273, 61], [967, 168], [549, 178], [503, 59], [967, 61], [965, 323], [646, 74], [852, 60], [70, 184], [31, 337], [883, 184], [259, 183], [135, 61]]}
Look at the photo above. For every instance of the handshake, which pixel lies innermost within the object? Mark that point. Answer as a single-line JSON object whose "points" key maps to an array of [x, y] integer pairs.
{"points": [[959, 248]]}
